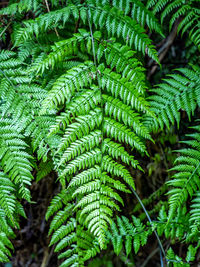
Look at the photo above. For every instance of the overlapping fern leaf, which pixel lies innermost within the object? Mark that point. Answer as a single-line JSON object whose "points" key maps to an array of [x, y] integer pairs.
{"points": [[125, 234], [99, 105], [19, 104], [188, 11], [185, 182], [179, 92], [177, 261], [74, 95], [75, 242], [95, 126], [15, 161], [10, 210], [102, 16]]}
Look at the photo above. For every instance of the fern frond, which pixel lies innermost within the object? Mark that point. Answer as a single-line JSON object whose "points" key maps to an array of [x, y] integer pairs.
{"points": [[83, 152], [101, 16], [22, 6], [86, 143], [44, 169], [143, 16], [177, 228], [122, 88], [7, 196], [178, 92], [116, 151], [128, 234], [122, 133], [186, 181], [82, 126], [77, 244], [82, 104], [62, 91], [77, 100], [179, 9], [123, 113], [116, 55], [138, 12], [14, 158], [195, 215]]}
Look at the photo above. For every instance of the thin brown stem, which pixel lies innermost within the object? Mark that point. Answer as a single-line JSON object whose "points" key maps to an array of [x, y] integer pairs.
{"points": [[5, 29], [48, 9], [165, 47]]}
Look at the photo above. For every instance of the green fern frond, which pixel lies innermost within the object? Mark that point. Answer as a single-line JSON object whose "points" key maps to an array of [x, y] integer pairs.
{"points": [[122, 133], [77, 98], [74, 243], [82, 104], [91, 127], [178, 92], [188, 11], [10, 210], [5, 245], [44, 169], [14, 158], [7, 196], [22, 6], [116, 55], [86, 143], [177, 228], [185, 181], [172, 258], [138, 12], [120, 87], [62, 91], [123, 113], [121, 26], [57, 203], [116, 151], [128, 234], [195, 215]]}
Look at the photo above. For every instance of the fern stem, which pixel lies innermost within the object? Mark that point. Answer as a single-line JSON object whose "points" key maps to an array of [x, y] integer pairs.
{"points": [[101, 95], [5, 29], [102, 107], [162, 251], [91, 34]]}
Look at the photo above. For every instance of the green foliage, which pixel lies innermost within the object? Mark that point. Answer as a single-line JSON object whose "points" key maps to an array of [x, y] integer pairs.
{"points": [[187, 12], [128, 235], [20, 103], [76, 243], [98, 14], [185, 181], [75, 100], [177, 261], [178, 92]]}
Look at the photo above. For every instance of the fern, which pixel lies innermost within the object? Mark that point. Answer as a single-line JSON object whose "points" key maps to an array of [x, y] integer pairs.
{"points": [[127, 234], [121, 26], [186, 180], [75, 101], [177, 261], [194, 219], [88, 148], [98, 110], [178, 92], [188, 11], [14, 159], [74, 152], [81, 244], [19, 97]]}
